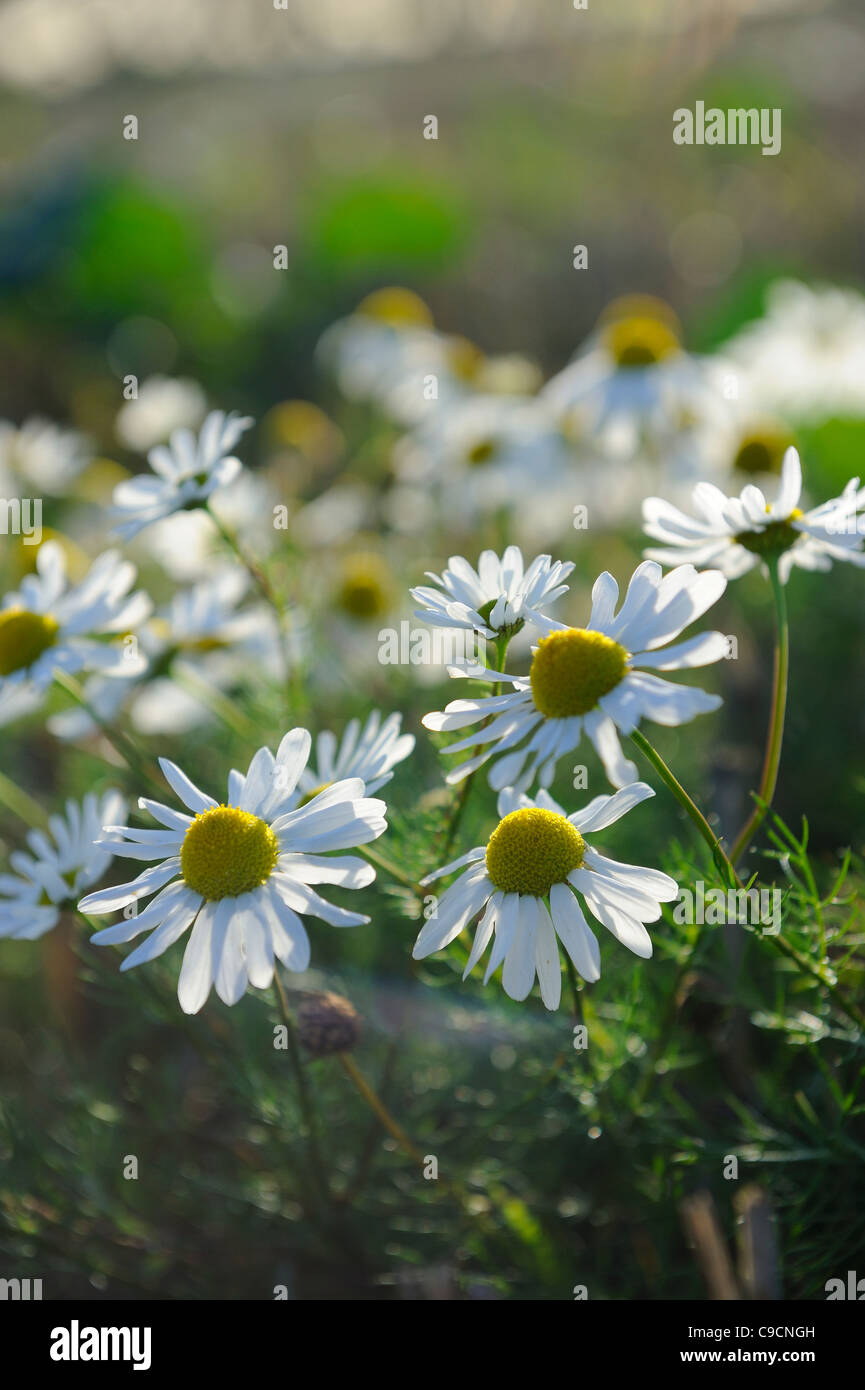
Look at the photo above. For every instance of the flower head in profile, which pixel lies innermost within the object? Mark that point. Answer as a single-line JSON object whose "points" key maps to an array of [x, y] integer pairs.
{"points": [[737, 533], [598, 680], [62, 863], [370, 753], [186, 472], [499, 597], [49, 626], [240, 873], [527, 882]]}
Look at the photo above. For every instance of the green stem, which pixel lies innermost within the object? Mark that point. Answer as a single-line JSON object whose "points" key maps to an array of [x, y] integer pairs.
{"points": [[122, 744], [20, 804], [381, 862], [722, 863], [303, 1092], [293, 688], [775, 737]]}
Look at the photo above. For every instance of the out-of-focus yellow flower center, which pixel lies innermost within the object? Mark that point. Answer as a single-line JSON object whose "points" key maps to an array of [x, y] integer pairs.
{"points": [[573, 669], [24, 636], [481, 452], [309, 796], [640, 342], [226, 852], [364, 589], [639, 330], [398, 307], [761, 451], [530, 850], [464, 358]]}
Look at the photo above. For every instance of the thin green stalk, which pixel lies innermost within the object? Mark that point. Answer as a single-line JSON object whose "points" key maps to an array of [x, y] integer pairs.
{"points": [[775, 736], [20, 804], [722, 863], [293, 684], [122, 744], [381, 862], [304, 1094]]}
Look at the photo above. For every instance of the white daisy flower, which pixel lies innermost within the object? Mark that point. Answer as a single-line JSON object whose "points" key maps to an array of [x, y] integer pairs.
{"points": [[386, 351], [737, 533], [43, 454], [632, 387], [370, 753], [526, 881], [201, 638], [185, 474], [475, 456], [163, 404], [597, 680], [240, 872], [48, 626], [500, 596], [806, 356], [59, 868]]}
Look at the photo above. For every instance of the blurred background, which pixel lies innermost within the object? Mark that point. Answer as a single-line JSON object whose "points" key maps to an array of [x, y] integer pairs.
{"points": [[303, 127]]}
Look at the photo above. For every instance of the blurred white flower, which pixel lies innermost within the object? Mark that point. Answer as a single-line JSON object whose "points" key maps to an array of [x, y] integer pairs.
{"points": [[737, 533], [482, 454], [185, 473], [163, 405], [526, 881], [805, 358], [200, 641], [589, 681], [48, 626], [240, 872], [632, 387], [59, 868], [43, 455]]}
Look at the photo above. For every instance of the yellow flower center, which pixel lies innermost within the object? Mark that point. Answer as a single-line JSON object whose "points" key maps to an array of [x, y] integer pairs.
{"points": [[640, 342], [531, 850], [226, 852], [481, 452], [572, 669], [364, 589], [24, 636], [761, 452], [398, 307]]}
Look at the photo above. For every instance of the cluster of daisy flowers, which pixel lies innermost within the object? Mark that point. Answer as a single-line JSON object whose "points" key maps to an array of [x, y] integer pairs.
{"points": [[236, 878]]}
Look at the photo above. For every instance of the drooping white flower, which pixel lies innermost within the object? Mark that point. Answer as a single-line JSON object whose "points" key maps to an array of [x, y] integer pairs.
{"points": [[163, 404], [48, 626], [60, 866], [370, 753], [501, 595], [595, 681], [240, 873], [185, 473], [737, 533], [527, 881]]}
